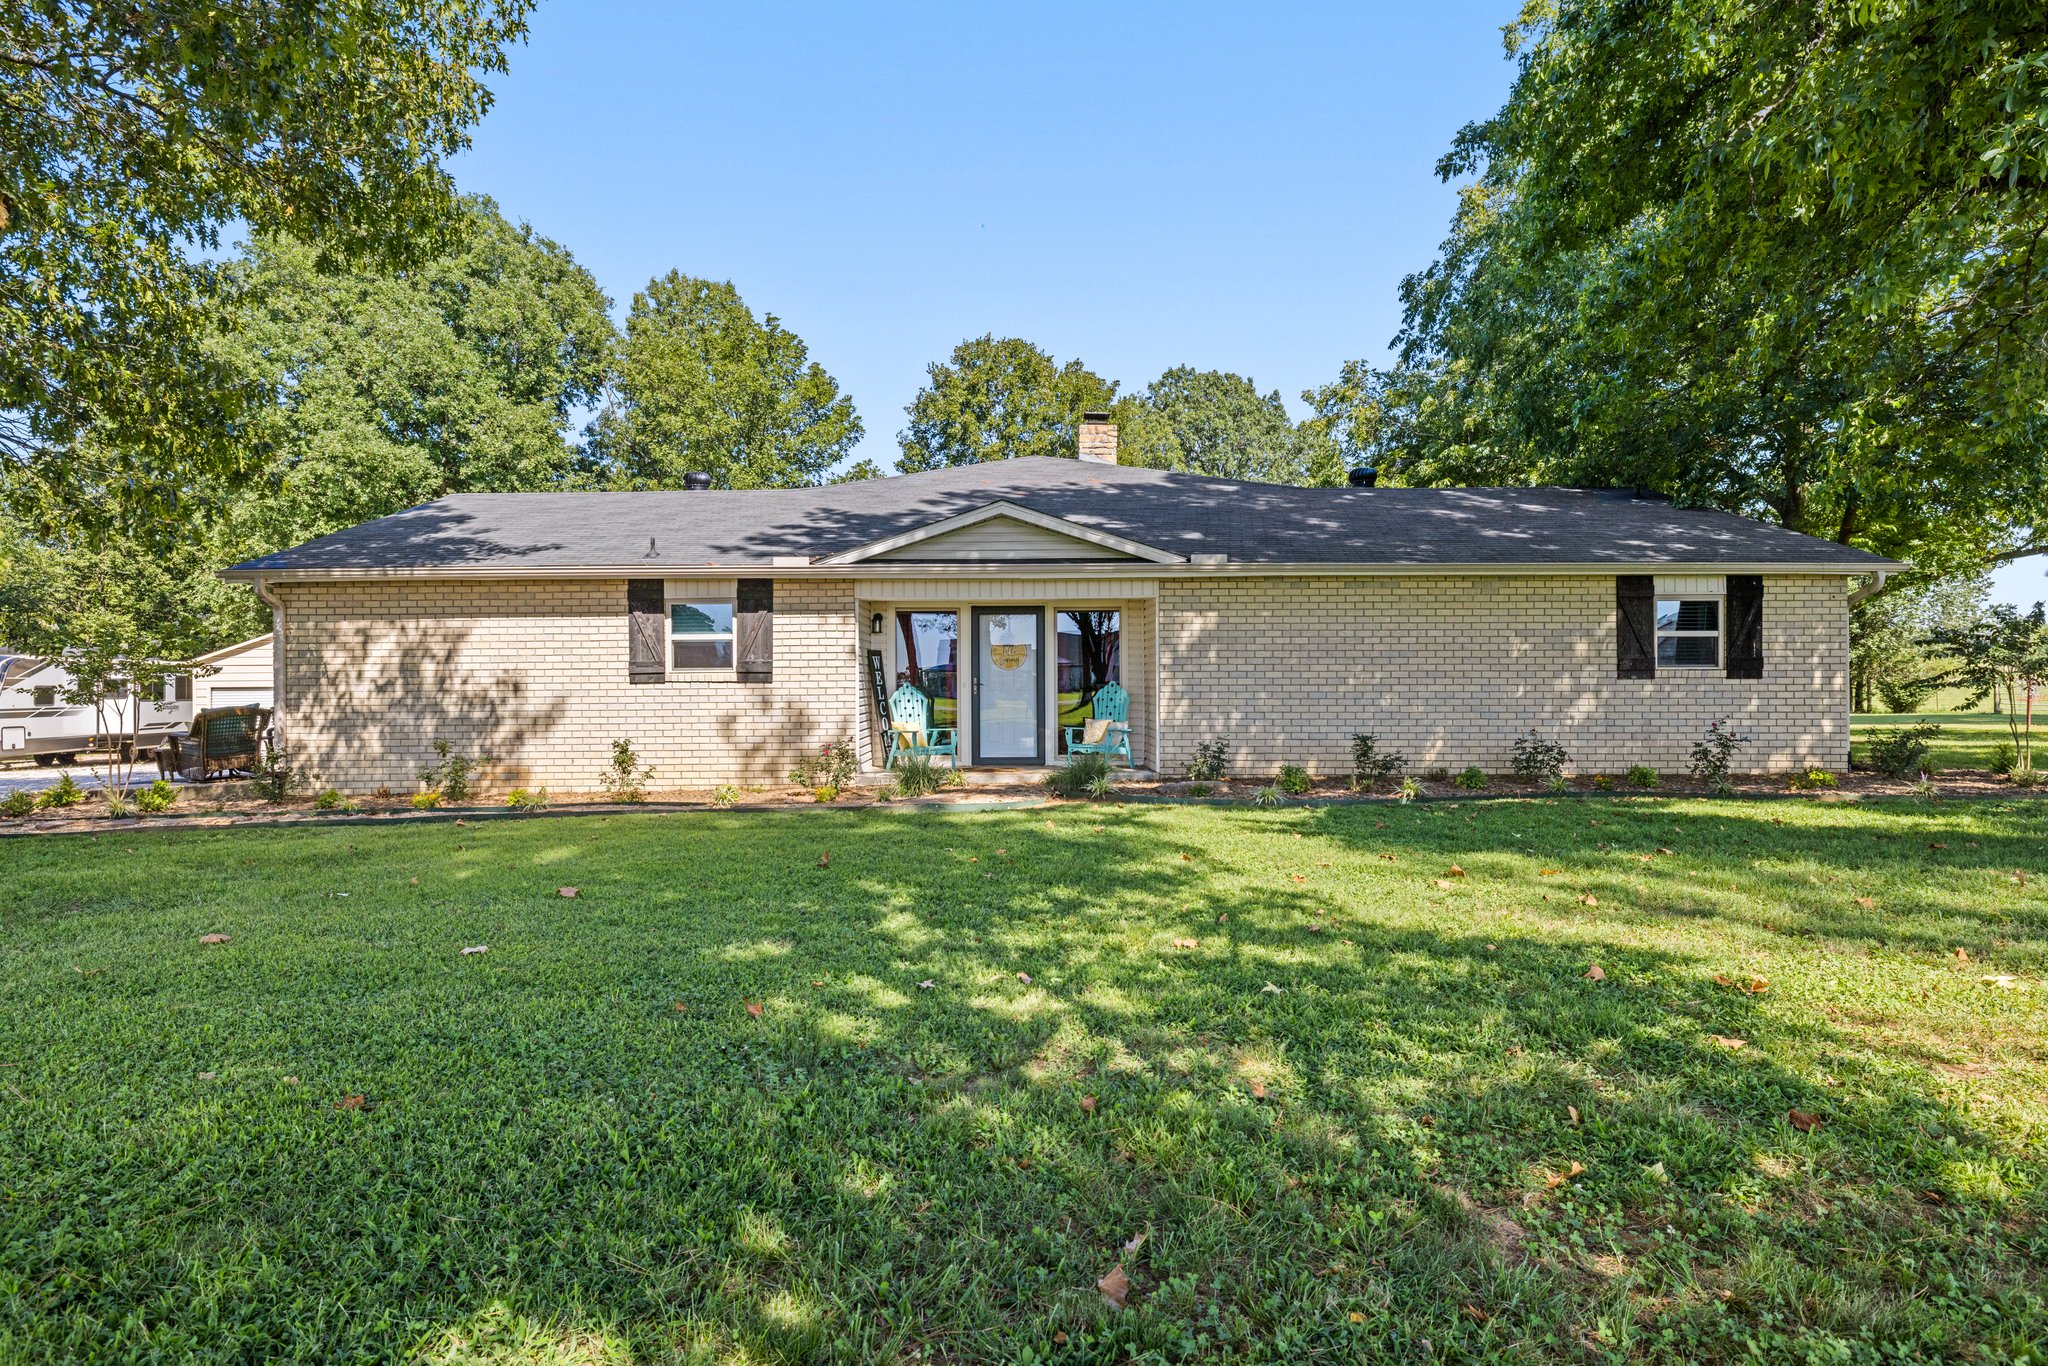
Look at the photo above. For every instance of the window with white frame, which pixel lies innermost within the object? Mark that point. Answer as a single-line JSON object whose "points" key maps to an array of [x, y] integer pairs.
{"points": [[1689, 632], [700, 633]]}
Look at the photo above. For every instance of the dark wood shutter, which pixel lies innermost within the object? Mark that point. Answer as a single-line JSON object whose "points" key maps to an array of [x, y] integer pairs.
{"points": [[647, 631], [1635, 626], [1745, 626], [754, 630]]}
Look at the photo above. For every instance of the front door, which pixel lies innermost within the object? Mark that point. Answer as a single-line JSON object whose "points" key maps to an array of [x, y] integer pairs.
{"points": [[1009, 686]]}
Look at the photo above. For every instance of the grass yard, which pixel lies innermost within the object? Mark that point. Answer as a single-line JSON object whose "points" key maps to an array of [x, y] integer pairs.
{"points": [[1967, 738], [1323, 1096]]}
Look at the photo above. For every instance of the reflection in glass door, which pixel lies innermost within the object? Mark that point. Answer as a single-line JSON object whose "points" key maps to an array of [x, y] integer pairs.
{"points": [[1008, 686]]}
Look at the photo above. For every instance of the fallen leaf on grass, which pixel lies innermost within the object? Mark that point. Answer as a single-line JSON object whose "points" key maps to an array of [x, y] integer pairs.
{"points": [[291, 1081], [349, 1103], [1590, 899], [1187, 943], [213, 939], [1867, 902], [1456, 871], [460, 821], [1962, 955], [1476, 1314], [1258, 1090], [1444, 884], [1357, 1317], [1935, 845], [1594, 974], [567, 893], [1389, 858], [1802, 1121], [1025, 978], [477, 948], [1723, 1041], [825, 859], [1115, 1287], [208, 1076], [1059, 1338], [682, 1008], [1269, 989], [1223, 919], [1136, 1241], [2004, 981], [1297, 877], [1087, 1105], [1556, 1179], [1187, 858], [754, 1009], [1571, 1112], [926, 985]]}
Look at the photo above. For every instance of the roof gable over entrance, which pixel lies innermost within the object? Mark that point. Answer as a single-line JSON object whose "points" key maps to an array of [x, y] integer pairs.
{"points": [[1004, 533]]}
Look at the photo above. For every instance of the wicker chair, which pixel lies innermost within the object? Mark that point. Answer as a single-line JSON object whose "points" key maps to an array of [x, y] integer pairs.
{"points": [[223, 740]]}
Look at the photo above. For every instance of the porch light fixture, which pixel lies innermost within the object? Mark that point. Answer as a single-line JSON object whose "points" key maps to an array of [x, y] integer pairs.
{"points": [[875, 624]]}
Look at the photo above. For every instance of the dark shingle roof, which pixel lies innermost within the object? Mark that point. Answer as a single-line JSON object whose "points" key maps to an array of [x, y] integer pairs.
{"points": [[1183, 513]]}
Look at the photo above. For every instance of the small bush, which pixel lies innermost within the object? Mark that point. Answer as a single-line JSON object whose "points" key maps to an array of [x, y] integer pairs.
{"points": [[1080, 776], [1556, 784], [1267, 796], [1602, 783], [833, 767], [17, 804], [329, 799], [519, 799], [825, 792], [1371, 765], [918, 776], [1714, 755], [1207, 765], [1473, 779], [426, 801], [1294, 779], [1439, 774], [625, 778], [64, 792], [278, 778], [2004, 758], [1200, 789], [385, 794], [1537, 760], [1102, 788], [1811, 779], [2027, 777], [1903, 751], [1903, 694], [157, 798], [452, 775], [117, 805], [1642, 775], [1410, 790], [725, 794]]}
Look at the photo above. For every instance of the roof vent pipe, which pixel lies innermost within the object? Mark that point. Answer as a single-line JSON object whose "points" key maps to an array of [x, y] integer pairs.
{"points": [[1363, 476], [696, 481]]}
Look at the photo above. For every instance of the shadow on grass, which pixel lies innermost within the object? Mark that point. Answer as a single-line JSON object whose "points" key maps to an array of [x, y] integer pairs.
{"points": [[1305, 1080]]}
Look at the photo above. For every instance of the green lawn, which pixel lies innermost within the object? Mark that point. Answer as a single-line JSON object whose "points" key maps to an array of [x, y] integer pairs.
{"points": [[1348, 1120], [1967, 738]]}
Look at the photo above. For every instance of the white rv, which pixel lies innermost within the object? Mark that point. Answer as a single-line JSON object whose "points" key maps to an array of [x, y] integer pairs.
{"points": [[36, 721]]}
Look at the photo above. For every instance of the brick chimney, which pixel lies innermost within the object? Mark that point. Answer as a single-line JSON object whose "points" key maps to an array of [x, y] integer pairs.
{"points": [[1098, 438]]}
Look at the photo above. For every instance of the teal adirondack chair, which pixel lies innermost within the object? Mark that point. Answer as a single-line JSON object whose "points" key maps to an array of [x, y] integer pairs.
{"points": [[1112, 704], [911, 732]]}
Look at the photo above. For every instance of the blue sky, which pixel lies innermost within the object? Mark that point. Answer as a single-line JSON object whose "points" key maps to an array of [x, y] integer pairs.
{"points": [[1231, 187]]}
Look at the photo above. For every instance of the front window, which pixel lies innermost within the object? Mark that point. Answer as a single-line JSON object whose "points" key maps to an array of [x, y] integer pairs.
{"points": [[1688, 633], [700, 634], [1091, 654], [44, 697], [928, 645]]}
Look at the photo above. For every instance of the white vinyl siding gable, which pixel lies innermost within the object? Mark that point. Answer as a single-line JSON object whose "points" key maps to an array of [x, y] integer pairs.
{"points": [[1002, 539]]}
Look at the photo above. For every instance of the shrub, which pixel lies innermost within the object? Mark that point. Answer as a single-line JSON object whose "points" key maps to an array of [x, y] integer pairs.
{"points": [[452, 775], [1410, 790], [725, 794], [425, 801], [1080, 776], [1602, 783], [1371, 765], [17, 804], [519, 799], [1537, 760], [117, 805], [1294, 779], [1266, 796], [625, 779], [918, 776], [825, 792], [1903, 751], [833, 767], [329, 799], [1811, 779], [1903, 694], [1556, 783], [1642, 775], [1207, 765], [1472, 779], [1714, 755], [64, 792], [1200, 789], [2004, 758], [157, 798], [277, 774], [1439, 774]]}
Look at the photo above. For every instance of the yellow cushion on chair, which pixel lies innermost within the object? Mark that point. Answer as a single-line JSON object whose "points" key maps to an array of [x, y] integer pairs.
{"points": [[908, 734], [1094, 730]]}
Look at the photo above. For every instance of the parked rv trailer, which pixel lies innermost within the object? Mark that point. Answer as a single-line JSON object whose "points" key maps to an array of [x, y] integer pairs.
{"points": [[37, 722]]}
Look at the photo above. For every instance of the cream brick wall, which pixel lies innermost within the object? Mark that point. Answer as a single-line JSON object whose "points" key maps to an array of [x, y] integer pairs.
{"points": [[1449, 670], [534, 673]]}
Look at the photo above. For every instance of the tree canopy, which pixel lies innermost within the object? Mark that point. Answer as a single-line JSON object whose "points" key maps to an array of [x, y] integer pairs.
{"points": [[1219, 423], [999, 397], [1784, 260], [130, 135], [704, 385]]}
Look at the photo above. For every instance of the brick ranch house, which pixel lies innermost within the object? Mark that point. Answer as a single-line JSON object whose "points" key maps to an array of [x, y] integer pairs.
{"points": [[729, 633]]}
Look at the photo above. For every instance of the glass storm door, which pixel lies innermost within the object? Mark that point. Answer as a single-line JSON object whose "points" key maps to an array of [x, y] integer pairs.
{"points": [[1009, 691]]}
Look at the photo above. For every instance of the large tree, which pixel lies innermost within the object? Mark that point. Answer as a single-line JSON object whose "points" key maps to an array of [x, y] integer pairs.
{"points": [[999, 397], [1219, 423], [1785, 259], [466, 372], [132, 134], [705, 386]]}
